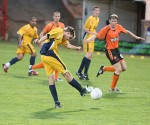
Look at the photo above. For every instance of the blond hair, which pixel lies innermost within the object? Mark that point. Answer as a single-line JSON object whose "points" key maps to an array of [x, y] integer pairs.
{"points": [[113, 16]]}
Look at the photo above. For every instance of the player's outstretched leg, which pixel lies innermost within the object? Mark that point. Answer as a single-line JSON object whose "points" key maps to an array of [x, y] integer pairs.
{"points": [[38, 66], [105, 69], [5, 68], [100, 71], [76, 85], [8, 64]]}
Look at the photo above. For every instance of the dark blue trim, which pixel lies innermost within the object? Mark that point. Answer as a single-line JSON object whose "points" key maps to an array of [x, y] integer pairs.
{"points": [[46, 46], [84, 34], [52, 54]]}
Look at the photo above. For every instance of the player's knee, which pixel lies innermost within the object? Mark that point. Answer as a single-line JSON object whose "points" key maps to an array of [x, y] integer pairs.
{"points": [[51, 79], [33, 54], [20, 57], [124, 69], [118, 70], [67, 76], [89, 55]]}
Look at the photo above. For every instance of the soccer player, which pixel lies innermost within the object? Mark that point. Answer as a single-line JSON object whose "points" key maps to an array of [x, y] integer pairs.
{"points": [[52, 61], [52, 25], [110, 34], [90, 29], [25, 36]]}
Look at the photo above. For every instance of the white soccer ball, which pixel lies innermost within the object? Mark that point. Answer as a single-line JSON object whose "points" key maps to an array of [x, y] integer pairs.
{"points": [[96, 94]]}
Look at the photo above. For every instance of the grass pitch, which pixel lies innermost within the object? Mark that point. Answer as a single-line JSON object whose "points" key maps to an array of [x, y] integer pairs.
{"points": [[26, 100]]}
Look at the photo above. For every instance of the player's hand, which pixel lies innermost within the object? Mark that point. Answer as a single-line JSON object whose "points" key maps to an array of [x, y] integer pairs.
{"points": [[94, 33], [140, 38], [79, 48], [20, 45], [86, 41], [36, 41]]}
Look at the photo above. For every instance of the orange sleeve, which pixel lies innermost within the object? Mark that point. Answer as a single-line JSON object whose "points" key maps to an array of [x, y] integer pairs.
{"points": [[62, 25], [47, 28], [122, 29], [102, 33]]}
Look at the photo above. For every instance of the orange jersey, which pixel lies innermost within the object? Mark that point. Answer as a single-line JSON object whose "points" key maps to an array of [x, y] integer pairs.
{"points": [[111, 36], [53, 25]]}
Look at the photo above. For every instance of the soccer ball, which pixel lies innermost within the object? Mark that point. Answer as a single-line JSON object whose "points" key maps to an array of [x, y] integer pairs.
{"points": [[96, 94]]}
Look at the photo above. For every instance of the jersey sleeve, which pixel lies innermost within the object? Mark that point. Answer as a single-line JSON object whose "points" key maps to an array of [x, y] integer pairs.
{"points": [[54, 33], [102, 33], [122, 29], [36, 34], [47, 28], [64, 42], [62, 25], [87, 25], [22, 30], [97, 22]]}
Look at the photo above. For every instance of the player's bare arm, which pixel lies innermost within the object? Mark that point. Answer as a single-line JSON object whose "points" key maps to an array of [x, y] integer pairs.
{"points": [[89, 32], [20, 41], [134, 36], [42, 34], [42, 39], [70, 46], [92, 38]]}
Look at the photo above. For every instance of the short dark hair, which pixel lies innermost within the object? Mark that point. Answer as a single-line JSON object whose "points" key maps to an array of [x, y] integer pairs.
{"points": [[71, 30], [113, 16], [95, 7], [33, 18]]}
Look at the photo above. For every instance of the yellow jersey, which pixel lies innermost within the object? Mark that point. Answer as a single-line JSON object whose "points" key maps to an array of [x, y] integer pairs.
{"points": [[91, 23], [54, 38], [28, 33]]}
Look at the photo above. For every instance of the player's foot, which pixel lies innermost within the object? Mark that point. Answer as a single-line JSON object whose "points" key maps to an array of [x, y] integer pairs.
{"points": [[80, 75], [59, 79], [114, 90], [5, 68], [89, 89], [100, 71], [85, 76], [83, 92], [32, 72], [58, 105]]}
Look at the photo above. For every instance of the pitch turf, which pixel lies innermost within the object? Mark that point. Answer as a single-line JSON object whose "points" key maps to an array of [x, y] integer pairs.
{"points": [[26, 100]]}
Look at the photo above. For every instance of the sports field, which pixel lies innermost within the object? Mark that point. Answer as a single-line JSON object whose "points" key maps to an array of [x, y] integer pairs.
{"points": [[26, 100]]}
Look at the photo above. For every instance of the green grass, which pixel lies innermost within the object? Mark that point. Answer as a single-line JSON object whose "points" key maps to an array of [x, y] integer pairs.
{"points": [[26, 100]]}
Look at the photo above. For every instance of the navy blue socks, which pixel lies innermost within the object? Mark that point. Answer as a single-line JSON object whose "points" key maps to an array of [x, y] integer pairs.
{"points": [[32, 60], [87, 65], [53, 91], [75, 84], [82, 64], [13, 61]]}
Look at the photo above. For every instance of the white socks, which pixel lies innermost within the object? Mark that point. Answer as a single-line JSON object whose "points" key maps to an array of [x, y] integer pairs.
{"points": [[7, 64]]}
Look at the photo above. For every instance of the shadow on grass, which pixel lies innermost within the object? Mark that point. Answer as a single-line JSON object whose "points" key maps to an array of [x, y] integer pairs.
{"points": [[113, 95], [85, 82], [20, 76], [53, 113]]}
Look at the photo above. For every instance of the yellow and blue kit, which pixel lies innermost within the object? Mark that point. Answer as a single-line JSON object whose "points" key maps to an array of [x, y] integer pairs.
{"points": [[49, 55], [28, 33]]}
